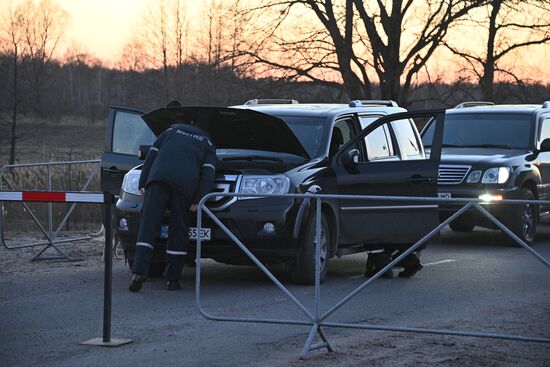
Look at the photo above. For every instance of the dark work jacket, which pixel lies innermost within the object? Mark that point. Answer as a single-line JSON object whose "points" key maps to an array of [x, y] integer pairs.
{"points": [[183, 157]]}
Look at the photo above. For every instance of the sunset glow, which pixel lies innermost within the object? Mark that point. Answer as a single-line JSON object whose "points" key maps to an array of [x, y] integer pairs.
{"points": [[102, 28]]}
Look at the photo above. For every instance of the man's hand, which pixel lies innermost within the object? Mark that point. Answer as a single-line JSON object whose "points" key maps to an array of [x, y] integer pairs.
{"points": [[194, 207], [142, 191]]}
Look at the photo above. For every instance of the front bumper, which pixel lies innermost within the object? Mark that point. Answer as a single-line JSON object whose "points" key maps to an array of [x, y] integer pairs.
{"points": [[244, 218], [500, 211]]}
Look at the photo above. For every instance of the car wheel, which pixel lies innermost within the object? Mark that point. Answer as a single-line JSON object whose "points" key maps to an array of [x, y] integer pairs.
{"points": [[523, 219], [458, 225], [302, 270]]}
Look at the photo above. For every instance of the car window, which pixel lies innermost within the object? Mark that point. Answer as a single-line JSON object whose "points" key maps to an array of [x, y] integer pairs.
{"points": [[309, 131], [342, 132], [378, 144], [484, 130], [129, 132], [545, 130], [408, 141]]}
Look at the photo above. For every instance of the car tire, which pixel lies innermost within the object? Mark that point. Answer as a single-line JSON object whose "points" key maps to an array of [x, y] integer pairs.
{"points": [[156, 269], [302, 269], [523, 219], [459, 225]]}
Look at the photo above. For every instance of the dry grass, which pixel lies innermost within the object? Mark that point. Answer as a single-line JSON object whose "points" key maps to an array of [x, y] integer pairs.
{"points": [[49, 141]]}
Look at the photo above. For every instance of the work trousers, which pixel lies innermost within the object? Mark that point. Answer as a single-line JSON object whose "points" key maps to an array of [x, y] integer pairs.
{"points": [[159, 196]]}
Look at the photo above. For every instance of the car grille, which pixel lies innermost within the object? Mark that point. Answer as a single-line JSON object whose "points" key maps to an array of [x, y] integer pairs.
{"points": [[224, 184], [451, 174]]}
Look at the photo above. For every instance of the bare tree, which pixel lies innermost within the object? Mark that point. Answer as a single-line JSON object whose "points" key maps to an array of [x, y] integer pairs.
{"points": [[14, 47], [356, 39], [509, 25], [44, 25]]}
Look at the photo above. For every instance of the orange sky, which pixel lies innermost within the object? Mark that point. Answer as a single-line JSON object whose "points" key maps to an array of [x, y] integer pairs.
{"points": [[103, 27]]}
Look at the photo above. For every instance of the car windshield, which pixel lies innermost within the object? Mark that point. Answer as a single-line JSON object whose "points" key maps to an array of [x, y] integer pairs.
{"points": [[308, 130], [484, 130]]}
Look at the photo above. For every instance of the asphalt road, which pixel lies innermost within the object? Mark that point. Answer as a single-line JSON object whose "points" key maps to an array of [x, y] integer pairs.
{"points": [[470, 282]]}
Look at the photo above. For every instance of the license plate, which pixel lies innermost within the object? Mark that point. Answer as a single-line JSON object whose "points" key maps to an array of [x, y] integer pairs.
{"points": [[206, 233], [444, 195]]}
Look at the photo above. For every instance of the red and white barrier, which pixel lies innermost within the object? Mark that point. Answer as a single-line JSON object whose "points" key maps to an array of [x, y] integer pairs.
{"points": [[52, 196]]}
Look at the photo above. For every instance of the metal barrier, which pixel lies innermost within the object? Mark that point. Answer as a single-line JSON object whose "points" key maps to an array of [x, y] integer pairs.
{"points": [[106, 200], [50, 235], [316, 319]]}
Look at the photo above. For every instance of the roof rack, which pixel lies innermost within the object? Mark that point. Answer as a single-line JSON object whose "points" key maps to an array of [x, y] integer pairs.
{"points": [[546, 104], [254, 102], [474, 104], [372, 102]]}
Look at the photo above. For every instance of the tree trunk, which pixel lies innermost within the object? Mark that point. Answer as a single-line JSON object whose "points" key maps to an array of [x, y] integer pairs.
{"points": [[13, 131], [487, 79]]}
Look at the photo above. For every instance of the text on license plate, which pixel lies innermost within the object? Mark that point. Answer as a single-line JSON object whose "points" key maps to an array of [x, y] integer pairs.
{"points": [[444, 195], [205, 233]]}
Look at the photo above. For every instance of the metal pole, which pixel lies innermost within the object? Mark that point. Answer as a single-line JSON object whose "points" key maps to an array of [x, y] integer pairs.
{"points": [[106, 340], [107, 291], [317, 257], [49, 205]]}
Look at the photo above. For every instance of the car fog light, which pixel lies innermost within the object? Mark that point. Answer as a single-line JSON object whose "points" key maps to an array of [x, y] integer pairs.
{"points": [[489, 197], [269, 228], [123, 224]]}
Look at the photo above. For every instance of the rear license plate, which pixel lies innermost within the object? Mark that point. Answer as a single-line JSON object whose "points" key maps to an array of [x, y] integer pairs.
{"points": [[206, 233], [444, 195]]}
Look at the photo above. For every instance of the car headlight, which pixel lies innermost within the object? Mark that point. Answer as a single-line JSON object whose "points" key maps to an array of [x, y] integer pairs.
{"points": [[474, 177], [497, 175], [264, 185], [130, 184]]}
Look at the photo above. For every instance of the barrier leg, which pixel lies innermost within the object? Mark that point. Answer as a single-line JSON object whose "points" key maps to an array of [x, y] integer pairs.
{"points": [[106, 340], [316, 328]]}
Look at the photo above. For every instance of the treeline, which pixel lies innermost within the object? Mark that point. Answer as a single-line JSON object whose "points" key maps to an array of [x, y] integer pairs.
{"points": [[79, 89], [228, 51]]}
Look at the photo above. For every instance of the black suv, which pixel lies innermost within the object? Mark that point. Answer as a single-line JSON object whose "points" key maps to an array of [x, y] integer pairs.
{"points": [[366, 147], [494, 152]]}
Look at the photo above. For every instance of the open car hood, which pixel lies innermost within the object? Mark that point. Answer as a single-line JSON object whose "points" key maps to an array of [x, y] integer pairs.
{"points": [[231, 128]]}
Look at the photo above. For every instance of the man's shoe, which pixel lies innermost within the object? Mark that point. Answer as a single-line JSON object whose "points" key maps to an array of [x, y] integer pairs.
{"points": [[173, 285], [412, 265], [411, 271], [136, 282]]}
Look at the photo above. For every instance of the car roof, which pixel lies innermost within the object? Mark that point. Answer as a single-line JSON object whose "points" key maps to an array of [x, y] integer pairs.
{"points": [[503, 108], [320, 109]]}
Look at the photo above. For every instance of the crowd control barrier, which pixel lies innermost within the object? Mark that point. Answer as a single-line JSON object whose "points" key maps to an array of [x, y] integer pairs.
{"points": [[50, 235], [318, 319], [106, 200]]}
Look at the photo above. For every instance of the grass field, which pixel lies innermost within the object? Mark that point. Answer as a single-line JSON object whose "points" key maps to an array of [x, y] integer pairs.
{"points": [[49, 141]]}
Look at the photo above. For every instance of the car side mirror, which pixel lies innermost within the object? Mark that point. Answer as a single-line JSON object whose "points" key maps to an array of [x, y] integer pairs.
{"points": [[350, 159], [545, 145], [143, 150]]}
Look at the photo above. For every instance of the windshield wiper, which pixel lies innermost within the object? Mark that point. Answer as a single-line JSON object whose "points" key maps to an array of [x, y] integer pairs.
{"points": [[253, 158], [503, 146]]}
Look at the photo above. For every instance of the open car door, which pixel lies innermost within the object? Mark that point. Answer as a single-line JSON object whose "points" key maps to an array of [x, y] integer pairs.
{"points": [[125, 132], [387, 159]]}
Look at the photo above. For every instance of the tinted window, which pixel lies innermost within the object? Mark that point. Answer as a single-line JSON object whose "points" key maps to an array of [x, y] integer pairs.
{"points": [[342, 132], [379, 143], [406, 136], [308, 130], [545, 131], [130, 131], [512, 130]]}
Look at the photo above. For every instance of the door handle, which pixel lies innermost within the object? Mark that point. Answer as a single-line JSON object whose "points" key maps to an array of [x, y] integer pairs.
{"points": [[112, 170], [416, 179]]}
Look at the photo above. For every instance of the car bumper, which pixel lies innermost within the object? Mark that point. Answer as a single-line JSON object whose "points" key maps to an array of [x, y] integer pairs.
{"points": [[244, 218], [500, 211]]}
